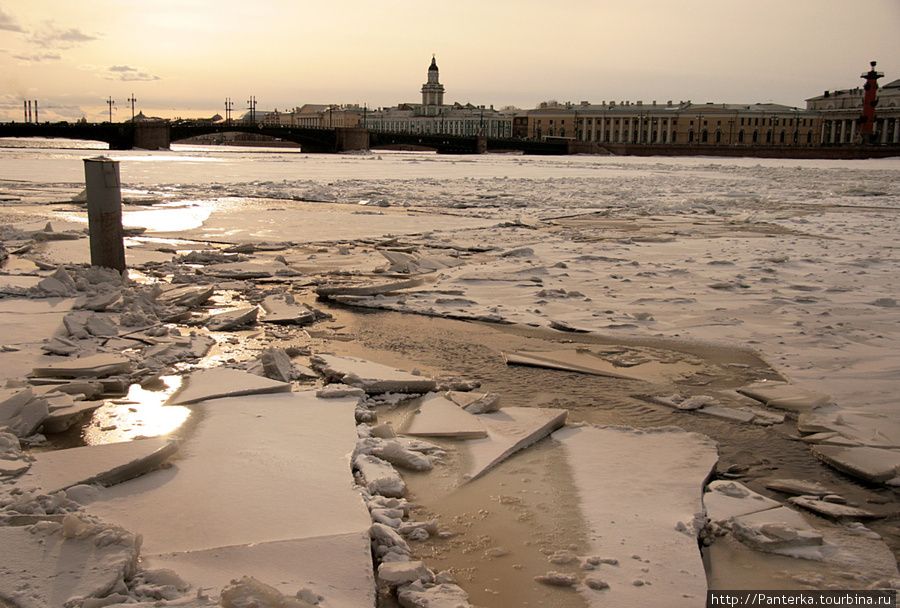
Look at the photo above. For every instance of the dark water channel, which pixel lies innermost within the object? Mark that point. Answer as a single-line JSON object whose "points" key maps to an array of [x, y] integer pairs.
{"points": [[506, 525]]}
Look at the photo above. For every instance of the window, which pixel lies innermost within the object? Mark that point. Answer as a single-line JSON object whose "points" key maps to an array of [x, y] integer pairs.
{"points": [[741, 136]]}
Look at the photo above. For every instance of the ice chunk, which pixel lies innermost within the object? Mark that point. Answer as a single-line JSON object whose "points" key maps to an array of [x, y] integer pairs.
{"points": [[378, 476], [187, 296], [725, 500], [365, 289], [402, 573], [12, 400], [444, 595], [830, 509], [94, 366], [374, 378], [797, 487], [277, 365], [436, 416], [786, 396], [871, 464], [231, 319], [508, 431], [861, 427], [65, 412], [283, 310], [62, 564], [221, 382], [106, 464], [250, 592], [475, 403], [567, 360], [780, 530], [26, 419]]}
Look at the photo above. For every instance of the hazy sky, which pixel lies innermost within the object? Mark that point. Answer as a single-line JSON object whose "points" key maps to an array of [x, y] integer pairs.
{"points": [[185, 57]]}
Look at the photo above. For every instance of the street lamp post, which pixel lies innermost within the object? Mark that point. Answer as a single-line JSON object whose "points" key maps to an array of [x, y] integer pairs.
{"points": [[252, 107], [110, 103], [228, 105], [132, 100]]}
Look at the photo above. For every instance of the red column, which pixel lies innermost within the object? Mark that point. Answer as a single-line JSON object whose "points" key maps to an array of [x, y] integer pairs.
{"points": [[870, 100]]}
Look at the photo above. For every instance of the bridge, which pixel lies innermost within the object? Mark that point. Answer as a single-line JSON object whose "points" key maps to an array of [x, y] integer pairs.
{"points": [[158, 135]]}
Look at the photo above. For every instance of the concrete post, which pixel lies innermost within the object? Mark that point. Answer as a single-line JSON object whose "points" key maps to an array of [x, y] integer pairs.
{"points": [[104, 203]]}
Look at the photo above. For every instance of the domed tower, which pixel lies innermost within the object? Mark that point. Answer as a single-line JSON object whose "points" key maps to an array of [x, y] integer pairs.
{"points": [[433, 91]]}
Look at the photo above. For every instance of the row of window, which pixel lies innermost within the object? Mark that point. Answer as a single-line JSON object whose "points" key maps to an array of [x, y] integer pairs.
{"points": [[752, 121], [612, 136]]}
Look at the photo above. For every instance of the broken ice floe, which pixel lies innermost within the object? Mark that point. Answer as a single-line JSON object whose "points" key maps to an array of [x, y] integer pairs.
{"points": [[706, 404], [786, 396], [371, 377], [222, 382], [745, 524], [621, 497], [226, 500], [106, 464]]}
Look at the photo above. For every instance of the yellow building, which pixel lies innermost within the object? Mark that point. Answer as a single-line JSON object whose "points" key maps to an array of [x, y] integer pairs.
{"points": [[671, 123]]}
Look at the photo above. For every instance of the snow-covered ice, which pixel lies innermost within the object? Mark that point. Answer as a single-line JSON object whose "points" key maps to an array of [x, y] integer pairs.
{"points": [[792, 259]]}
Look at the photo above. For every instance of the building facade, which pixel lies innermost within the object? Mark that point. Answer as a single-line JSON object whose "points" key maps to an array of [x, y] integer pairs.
{"points": [[840, 112], [671, 123], [431, 116], [832, 118]]}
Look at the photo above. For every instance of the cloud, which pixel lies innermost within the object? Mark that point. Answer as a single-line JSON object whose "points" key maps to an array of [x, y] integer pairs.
{"points": [[126, 73], [40, 56], [53, 37], [9, 23]]}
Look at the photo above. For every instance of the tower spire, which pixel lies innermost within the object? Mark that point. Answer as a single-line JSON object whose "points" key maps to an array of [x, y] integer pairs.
{"points": [[433, 90]]}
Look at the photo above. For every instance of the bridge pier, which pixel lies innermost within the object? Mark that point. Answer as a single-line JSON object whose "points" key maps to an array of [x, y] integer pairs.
{"points": [[350, 139], [152, 135]]}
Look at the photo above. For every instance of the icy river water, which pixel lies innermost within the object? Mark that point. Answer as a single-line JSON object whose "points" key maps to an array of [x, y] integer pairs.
{"points": [[752, 269]]}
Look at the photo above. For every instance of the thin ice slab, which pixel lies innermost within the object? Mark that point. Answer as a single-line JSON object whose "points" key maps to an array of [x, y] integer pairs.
{"points": [[231, 319], [283, 310], [509, 430], [639, 492], [567, 360], [337, 567], [830, 509], [255, 469], [781, 530], [786, 396], [94, 366], [437, 416], [62, 564], [872, 464], [725, 500], [221, 382], [106, 464], [864, 428], [374, 378]]}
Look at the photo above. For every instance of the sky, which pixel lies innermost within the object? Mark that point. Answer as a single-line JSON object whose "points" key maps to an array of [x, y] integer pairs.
{"points": [[186, 58]]}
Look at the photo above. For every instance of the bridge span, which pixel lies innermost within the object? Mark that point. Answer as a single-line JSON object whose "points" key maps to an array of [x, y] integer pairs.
{"points": [[158, 135]]}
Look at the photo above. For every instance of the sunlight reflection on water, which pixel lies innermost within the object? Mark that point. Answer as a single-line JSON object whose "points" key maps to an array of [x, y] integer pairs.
{"points": [[141, 414]]}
